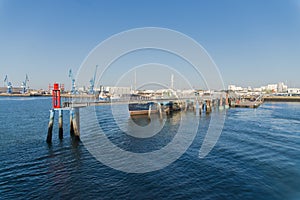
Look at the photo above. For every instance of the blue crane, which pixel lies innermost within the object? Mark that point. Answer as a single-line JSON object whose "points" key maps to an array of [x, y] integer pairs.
{"points": [[24, 85], [8, 85], [92, 82], [73, 88]]}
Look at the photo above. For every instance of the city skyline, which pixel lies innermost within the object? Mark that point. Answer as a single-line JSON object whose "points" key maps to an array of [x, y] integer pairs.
{"points": [[253, 43]]}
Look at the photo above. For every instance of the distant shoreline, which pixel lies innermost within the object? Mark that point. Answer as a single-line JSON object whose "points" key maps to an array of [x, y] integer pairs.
{"points": [[23, 95], [265, 99], [282, 99], [46, 95]]}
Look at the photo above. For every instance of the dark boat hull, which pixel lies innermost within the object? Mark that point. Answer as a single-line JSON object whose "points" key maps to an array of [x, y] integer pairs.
{"points": [[140, 108]]}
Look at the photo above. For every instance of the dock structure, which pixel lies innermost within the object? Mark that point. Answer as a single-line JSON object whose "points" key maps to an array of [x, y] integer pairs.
{"points": [[56, 107], [162, 107], [74, 123], [246, 104], [235, 101]]}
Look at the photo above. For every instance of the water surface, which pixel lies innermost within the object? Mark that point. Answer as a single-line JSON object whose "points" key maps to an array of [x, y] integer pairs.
{"points": [[256, 157]]}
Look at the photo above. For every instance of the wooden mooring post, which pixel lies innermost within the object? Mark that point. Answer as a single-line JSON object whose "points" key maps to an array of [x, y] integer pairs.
{"points": [[208, 107], [200, 107], [60, 124], [75, 122], [159, 111], [221, 107], [227, 101], [50, 126], [71, 122], [149, 112]]}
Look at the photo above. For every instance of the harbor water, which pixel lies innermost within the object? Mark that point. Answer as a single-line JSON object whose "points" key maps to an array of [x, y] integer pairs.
{"points": [[256, 157]]}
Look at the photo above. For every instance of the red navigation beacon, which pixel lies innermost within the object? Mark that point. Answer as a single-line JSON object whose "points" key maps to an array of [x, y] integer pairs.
{"points": [[56, 96]]}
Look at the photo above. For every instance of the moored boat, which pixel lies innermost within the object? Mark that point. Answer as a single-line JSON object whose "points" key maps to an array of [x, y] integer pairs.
{"points": [[142, 108], [103, 97]]}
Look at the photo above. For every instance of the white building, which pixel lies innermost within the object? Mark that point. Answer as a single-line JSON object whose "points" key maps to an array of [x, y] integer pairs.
{"points": [[118, 91], [281, 87], [294, 91], [275, 88], [272, 87], [257, 89], [235, 88]]}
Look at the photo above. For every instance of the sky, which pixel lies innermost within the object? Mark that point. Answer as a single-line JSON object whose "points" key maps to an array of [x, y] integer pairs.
{"points": [[252, 42]]}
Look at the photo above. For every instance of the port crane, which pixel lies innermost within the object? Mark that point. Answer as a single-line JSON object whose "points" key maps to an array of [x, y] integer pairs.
{"points": [[73, 86], [24, 85], [8, 85], [92, 82]]}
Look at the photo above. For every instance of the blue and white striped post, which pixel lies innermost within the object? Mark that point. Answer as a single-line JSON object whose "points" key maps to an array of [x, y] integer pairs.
{"points": [[204, 106], [60, 124], [50, 126], [159, 110], [200, 107], [71, 122]]}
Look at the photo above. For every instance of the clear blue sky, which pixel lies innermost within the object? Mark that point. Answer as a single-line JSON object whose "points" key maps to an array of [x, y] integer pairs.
{"points": [[253, 42]]}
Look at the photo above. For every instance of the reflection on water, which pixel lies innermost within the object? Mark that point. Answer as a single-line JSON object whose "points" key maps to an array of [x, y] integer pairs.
{"points": [[140, 120]]}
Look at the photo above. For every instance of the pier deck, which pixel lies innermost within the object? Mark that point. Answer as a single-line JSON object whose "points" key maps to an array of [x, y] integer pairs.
{"points": [[247, 104]]}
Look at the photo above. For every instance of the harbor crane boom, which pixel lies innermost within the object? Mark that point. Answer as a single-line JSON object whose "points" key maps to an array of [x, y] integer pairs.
{"points": [[73, 90], [24, 85], [92, 82], [8, 85]]}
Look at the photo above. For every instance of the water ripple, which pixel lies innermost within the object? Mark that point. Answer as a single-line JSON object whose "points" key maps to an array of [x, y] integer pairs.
{"points": [[256, 157]]}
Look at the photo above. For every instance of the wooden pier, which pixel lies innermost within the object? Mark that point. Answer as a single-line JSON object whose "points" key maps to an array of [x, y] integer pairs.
{"points": [[246, 104], [162, 107]]}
